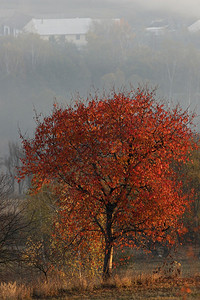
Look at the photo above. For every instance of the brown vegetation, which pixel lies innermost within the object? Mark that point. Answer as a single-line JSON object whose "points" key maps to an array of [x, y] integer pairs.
{"points": [[144, 277], [125, 287]]}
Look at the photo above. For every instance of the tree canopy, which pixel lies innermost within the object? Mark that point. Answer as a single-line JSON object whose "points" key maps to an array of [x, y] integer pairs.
{"points": [[110, 160]]}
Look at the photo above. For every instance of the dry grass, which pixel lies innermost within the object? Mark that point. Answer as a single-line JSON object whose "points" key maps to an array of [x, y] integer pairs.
{"points": [[13, 291], [142, 287], [178, 279], [124, 287]]}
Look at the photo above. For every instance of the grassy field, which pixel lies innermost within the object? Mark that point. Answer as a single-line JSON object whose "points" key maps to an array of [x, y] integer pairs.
{"points": [[138, 287], [142, 277], [163, 292], [122, 288], [139, 282]]}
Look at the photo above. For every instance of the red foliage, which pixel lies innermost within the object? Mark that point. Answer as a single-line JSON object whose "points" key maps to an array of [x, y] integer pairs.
{"points": [[111, 162]]}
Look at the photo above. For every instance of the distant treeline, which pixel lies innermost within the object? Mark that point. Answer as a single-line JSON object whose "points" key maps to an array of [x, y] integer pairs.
{"points": [[33, 72]]}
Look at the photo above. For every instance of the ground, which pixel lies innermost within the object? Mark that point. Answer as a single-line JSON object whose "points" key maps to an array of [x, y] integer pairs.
{"points": [[167, 291]]}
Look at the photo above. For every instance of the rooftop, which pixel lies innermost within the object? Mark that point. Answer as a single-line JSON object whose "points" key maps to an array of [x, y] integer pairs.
{"points": [[195, 27], [59, 26]]}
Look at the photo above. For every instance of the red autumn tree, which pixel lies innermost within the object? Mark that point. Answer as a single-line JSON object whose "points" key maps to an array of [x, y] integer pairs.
{"points": [[111, 162]]}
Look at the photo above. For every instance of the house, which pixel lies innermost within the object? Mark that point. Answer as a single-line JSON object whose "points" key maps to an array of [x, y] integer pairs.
{"points": [[195, 27], [71, 30], [158, 27]]}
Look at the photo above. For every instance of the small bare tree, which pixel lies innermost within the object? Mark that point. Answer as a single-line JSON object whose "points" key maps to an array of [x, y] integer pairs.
{"points": [[12, 223], [11, 162]]}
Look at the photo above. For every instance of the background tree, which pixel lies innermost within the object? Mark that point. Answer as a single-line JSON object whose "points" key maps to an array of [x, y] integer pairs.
{"points": [[191, 176], [13, 226], [110, 160], [12, 162], [43, 252], [40, 250], [107, 47]]}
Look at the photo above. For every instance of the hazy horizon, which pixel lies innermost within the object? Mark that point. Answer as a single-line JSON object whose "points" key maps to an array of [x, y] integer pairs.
{"points": [[20, 92], [181, 7]]}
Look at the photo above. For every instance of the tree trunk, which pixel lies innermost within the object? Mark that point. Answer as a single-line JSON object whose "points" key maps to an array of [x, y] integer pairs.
{"points": [[107, 267], [108, 256]]}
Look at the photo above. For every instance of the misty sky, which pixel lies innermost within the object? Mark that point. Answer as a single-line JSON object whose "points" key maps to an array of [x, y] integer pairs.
{"points": [[140, 12], [189, 8]]}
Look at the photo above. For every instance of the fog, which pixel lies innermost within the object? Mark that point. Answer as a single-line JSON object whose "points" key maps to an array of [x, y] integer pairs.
{"points": [[34, 73], [185, 7]]}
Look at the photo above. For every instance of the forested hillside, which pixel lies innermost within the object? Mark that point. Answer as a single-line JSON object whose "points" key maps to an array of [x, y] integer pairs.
{"points": [[34, 72]]}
